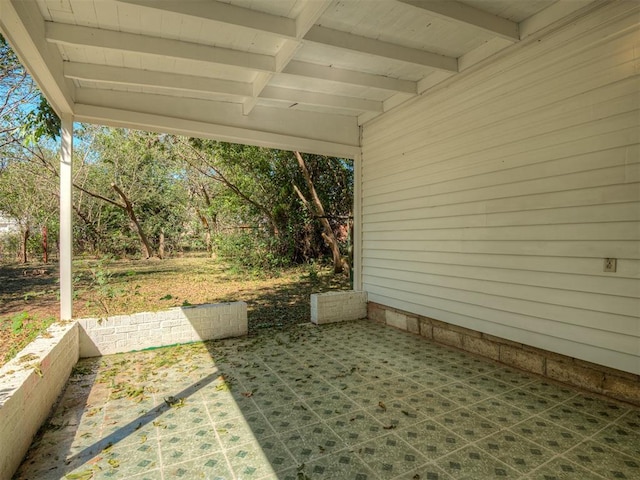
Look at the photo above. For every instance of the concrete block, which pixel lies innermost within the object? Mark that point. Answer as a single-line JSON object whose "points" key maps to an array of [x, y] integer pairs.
{"points": [[412, 325], [481, 346], [397, 320], [426, 327], [341, 306], [522, 359], [569, 372], [623, 388], [500, 340], [448, 337]]}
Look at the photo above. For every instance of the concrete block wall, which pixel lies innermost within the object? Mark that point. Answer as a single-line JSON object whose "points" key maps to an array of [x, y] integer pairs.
{"points": [[125, 333], [29, 387], [588, 376], [332, 307]]}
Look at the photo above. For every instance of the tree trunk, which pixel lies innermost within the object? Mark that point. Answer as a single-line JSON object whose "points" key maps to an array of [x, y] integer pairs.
{"points": [[24, 237], [161, 246], [45, 245], [144, 241], [207, 231], [328, 235]]}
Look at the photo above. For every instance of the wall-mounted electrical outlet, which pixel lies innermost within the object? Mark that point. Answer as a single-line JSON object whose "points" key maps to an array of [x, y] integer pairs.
{"points": [[610, 264]]}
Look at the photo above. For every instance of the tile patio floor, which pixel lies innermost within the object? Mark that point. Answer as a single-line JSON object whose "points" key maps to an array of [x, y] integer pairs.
{"points": [[354, 400]]}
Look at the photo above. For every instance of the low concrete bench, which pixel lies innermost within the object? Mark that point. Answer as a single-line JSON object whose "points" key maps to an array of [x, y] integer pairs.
{"points": [[333, 307], [125, 333]]}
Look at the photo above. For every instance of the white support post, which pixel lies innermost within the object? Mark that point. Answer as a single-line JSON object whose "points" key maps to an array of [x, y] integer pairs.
{"points": [[66, 207], [357, 222]]}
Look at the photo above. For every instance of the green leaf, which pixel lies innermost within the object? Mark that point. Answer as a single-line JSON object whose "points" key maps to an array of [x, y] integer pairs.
{"points": [[84, 475]]}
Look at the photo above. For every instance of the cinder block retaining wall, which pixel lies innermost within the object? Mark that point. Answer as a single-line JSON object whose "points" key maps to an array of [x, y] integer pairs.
{"points": [[31, 383], [589, 376], [29, 387], [332, 307], [124, 333]]}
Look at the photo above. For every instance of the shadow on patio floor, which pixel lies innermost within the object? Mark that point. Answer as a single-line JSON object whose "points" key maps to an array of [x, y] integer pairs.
{"points": [[354, 400]]}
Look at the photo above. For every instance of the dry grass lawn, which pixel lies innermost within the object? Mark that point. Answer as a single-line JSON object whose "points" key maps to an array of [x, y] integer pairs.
{"points": [[29, 294]]}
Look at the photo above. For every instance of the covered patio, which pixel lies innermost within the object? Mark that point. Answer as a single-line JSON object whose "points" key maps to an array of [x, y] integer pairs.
{"points": [[352, 400], [496, 211]]}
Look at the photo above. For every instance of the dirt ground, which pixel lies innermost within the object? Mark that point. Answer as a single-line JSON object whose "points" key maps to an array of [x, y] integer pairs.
{"points": [[29, 299]]}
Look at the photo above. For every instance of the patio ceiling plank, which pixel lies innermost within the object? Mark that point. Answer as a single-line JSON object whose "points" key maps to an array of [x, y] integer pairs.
{"points": [[321, 99], [468, 15], [352, 77], [147, 78], [146, 45], [225, 13], [370, 46]]}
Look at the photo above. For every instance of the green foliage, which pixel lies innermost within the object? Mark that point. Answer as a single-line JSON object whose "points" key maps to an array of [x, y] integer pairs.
{"points": [[251, 253], [25, 114], [17, 322], [101, 288], [23, 328], [40, 123], [138, 164], [252, 189]]}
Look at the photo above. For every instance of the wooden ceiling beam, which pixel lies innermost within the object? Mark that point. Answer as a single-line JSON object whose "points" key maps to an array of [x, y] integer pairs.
{"points": [[147, 78], [224, 13], [462, 13], [351, 77], [65, 34], [370, 46]]}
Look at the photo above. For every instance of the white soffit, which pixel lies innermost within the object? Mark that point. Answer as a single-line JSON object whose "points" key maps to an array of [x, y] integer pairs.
{"points": [[295, 74]]}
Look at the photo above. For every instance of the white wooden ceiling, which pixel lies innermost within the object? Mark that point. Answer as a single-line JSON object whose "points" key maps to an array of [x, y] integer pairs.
{"points": [[301, 74]]}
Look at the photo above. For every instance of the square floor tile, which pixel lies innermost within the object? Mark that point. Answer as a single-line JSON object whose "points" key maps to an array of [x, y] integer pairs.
{"points": [[242, 430], [596, 457], [331, 405], [621, 437], [258, 459], [188, 444], [500, 412], [344, 465], [526, 401], [461, 393], [179, 419], [547, 434], [431, 439], [597, 407], [467, 424], [429, 378], [488, 385], [515, 451], [562, 469], [512, 377], [289, 417], [389, 456], [356, 427], [211, 467], [430, 404], [576, 421], [395, 414], [552, 391], [312, 442], [429, 471], [474, 463]]}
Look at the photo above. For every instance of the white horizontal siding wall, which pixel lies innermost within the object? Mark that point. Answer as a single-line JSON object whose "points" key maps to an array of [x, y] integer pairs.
{"points": [[491, 203]]}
